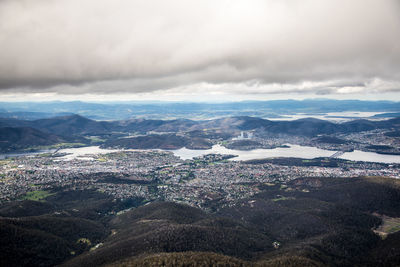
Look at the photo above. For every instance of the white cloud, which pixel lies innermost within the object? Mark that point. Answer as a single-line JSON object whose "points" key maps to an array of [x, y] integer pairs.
{"points": [[241, 47]]}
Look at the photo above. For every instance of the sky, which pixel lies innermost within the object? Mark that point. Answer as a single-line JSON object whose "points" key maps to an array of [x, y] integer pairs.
{"points": [[206, 50]]}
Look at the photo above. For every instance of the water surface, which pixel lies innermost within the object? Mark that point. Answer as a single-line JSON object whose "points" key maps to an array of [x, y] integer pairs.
{"points": [[294, 151]]}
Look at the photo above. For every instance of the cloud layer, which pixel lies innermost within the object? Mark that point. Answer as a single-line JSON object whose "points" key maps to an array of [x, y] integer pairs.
{"points": [[260, 46]]}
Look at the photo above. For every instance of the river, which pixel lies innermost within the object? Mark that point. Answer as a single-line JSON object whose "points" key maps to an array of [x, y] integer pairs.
{"points": [[294, 151]]}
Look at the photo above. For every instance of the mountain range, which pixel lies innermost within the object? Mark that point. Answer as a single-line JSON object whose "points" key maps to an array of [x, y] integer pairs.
{"points": [[73, 128], [164, 110]]}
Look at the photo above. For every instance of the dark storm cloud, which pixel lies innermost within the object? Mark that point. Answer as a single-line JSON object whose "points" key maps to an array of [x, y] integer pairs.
{"points": [[109, 46]]}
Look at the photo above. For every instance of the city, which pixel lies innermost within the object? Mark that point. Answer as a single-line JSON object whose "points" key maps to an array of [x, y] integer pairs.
{"points": [[159, 175]]}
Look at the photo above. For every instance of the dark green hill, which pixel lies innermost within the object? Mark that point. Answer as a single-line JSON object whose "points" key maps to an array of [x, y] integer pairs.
{"points": [[73, 125], [27, 247], [318, 222], [182, 259], [45, 240], [304, 222], [169, 227], [25, 208], [193, 259], [61, 226], [176, 213], [324, 220], [17, 138], [387, 252], [364, 194]]}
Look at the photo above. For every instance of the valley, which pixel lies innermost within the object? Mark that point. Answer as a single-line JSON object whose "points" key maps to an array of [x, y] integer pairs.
{"points": [[239, 190], [199, 133]]}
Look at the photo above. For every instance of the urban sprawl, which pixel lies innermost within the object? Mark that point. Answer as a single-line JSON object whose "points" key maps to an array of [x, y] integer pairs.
{"points": [[160, 175]]}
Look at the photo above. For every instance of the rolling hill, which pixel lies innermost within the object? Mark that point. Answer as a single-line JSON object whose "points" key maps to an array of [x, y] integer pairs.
{"points": [[78, 125], [64, 125], [174, 134], [17, 138], [318, 222], [329, 224]]}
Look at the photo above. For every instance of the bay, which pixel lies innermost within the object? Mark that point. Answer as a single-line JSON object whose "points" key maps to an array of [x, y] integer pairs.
{"points": [[295, 151]]}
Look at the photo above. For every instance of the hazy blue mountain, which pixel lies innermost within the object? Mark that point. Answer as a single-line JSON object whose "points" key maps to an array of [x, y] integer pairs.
{"points": [[64, 125], [164, 110], [73, 125], [25, 115], [77, 125]]}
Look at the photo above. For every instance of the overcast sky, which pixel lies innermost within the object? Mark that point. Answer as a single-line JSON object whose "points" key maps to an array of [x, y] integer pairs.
{"points": [[199, 50]]}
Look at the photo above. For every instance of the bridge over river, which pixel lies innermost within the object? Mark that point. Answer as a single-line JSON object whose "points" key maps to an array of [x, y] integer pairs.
{"points": [[337, 154]]}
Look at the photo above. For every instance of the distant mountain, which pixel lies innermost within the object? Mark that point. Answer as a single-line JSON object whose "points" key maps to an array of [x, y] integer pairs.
{"points": [[233, 123], [143, 126], [387, 115], [16, 138], [313, 127], [224, 124], [64, 125], [163, 110], [173, 134], [185, 259], [305, 127], [331, 140], [73, 125], [12, 122], [26, 115]]}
